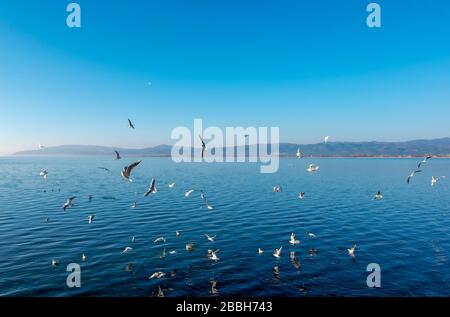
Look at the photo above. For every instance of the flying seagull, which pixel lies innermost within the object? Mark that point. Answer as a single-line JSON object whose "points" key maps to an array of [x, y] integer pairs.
{"points": [[352, 250], [378, 196], [213, 255], [312, 168], [126, 172], [44, 174], [83, 257], [434, 180], [160, 239], [209, 237], [188, 193], [55, 262], [130, 124], [127, 249], [68, 203], [325, 139], [301, 195], [299, 154], [157, 275], [260, 251], [412, 175], [214, 289], [293, 239], [91, 218], [203, 145], [277, 252], [277, 189], [152, 189], [311, 235], [171, 185], [117, 155], [424, 161]]}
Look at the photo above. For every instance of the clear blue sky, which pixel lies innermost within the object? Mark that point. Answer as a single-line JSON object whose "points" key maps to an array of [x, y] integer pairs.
{"points": [[312, 68]]}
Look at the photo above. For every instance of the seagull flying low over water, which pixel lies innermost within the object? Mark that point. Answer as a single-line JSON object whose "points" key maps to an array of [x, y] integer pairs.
{"points": [[434, 180], [352, 250], [203, 145], [312, 168], [130, 124], [68, 203], [311, 235], [126, 172], [44, 174], [83, 257], [127, 249], [299, 154], [160, 239], [260, 251], [152, 189], [91, 218], [424, 161], [55, 262], [188, 193], [157, 275], [412, 175], [213, 255], [277, 252], [378, 196], [293, 239], [177, 233], [301, 195], [134, 205], [209, 237], [171, 185], [117, 155], [325, 139], [277, 189]]}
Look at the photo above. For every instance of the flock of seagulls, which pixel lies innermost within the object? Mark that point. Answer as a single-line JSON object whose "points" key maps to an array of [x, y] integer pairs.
{"points": [[213, 255]]}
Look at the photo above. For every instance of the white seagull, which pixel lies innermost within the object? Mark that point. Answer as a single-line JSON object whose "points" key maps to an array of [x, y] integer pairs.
{"points": [[188, 193], [299, 154], [160, 239], [171, 185], [260, 251], [213, 255], [301, 195], [312, 168], [68, 203], [152, 189], [434, 180], [83, 257], [352, 250], [277, 252], [293, 239], [378, 196], [209, 237], [127, 249], [157, 275], [44, 174], [91, 218], [325, 139]]}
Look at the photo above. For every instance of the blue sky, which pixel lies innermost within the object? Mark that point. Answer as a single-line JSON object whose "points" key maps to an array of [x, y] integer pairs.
{"points": [[312, 68]]}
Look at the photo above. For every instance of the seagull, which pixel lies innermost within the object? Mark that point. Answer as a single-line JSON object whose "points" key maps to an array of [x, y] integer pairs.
{"points": [[126, 172], [299, 154], [160, 239], [134, 205], [130, 124], [378, 196], [55, 262], [203, 145], [311, 235], [260, 251], [117, 155], [40, 146], [412, 175], [127, 249], [277, 189], [91, 218], [325, 139], [171, 185], [172, 252], [277, 252], [352, 250], [188, 193], [157, 275], [152, 189], [312, 168], [424, 161], [44, 174], [434, 180], [294, 260], [177, 233], [213, 255], [293, 239], [104, 168], [202, 195], [276, 271], [132, 239], [209, 237], [83, 257], [301, 195], [189, 246], [69, 203]]}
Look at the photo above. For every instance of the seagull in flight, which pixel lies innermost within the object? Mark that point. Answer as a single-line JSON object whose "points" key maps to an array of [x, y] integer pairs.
{"points": [[152, 189], [213, 255], [209, 237], [311, 235], [293, 239], [352, 250], [83, 257], [434, 180], [277, 189], [160, 239], [127, 249], [134, 205], [117, 155], [301, 195], [91, 218], [40, 146], [378, 196], [260, 251], [130, 124], [203, 145], [157, 275], [412, 175], [68, 203], [299, 154], [171, 185], [188, 193], [126, 172], [325, 139], [55, 262], [44, 174], [424, 161], [277, 252]]}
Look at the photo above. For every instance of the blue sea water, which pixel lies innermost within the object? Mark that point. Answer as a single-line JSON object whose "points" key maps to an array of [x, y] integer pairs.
{"points": [[407, 233]]}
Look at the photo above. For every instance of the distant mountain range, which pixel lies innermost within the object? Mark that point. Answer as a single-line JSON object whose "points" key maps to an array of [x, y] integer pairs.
{"points": [[440, 147]]}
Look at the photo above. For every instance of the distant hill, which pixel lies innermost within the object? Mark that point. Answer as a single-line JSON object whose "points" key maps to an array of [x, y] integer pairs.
{"points": [[439, 147]]}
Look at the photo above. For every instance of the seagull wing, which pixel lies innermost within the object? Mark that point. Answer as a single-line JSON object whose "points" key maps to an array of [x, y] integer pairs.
{"points": [[130, 167]]}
